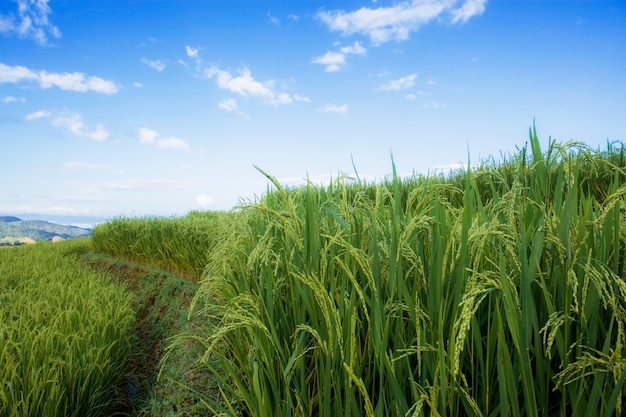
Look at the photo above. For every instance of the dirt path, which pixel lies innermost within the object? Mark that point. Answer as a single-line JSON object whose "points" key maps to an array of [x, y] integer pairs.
{"points": [[161, 305]]}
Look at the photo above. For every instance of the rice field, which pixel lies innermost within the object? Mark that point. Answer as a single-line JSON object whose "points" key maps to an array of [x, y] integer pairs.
{"points": [[496, 291], [65, 333]]}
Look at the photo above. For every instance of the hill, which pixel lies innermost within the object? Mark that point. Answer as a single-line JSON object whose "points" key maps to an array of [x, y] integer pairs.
{"points": [[15, 231], [9, 219]]}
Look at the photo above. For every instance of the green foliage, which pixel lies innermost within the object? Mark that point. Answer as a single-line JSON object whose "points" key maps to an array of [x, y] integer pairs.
{"points": [[495, 291], [180, 245], [65, 333]]}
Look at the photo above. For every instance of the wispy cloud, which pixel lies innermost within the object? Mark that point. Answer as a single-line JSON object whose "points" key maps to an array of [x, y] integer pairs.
{"points": [[228, 104], [151, 137], [433, 105], [246, 86], [301, 99], [70, 81], [413, 96], [11, 99], [273, 19], [399, 84], [80, 166], [192, 52], [71, 121], [384, 24], [336, 60], [155, 64], [468, 10], [100, 134], [147, 135], [30, 22], [334, 108], [138, 184]]}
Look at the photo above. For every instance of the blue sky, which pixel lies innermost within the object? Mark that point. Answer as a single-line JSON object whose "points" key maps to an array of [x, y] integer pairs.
{"points": [[137, 107]]}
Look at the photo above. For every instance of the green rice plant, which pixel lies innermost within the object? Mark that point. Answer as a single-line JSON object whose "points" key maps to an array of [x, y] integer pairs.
{"points": [[496, 290], [180, 245], [65, 333]]}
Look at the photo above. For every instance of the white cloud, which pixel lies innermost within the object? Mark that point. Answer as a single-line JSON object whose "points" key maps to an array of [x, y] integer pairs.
{"points": [[9, 74], [100, 134], [396, 22], [204, 201], [172, 143], [150, 137], [228, 104], [431, 82], [191, 51], [410, 97], [11, 99], [281, 98], [69, 120], [333, 108], [246, 86], [31, 21], [355, 49], [336, 61], [399, 84], [147, 135], [433, 105], [75, 81], [154, 64], [273, 19], [137, 85], [72, 121], [135, 184], [302, 99], [469, 9], [6, 24], [38, 115], [79, 166]]}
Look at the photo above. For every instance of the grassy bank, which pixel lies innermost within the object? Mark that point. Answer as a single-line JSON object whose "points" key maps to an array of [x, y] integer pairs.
{"points": [[66, 333], [179, 245]]}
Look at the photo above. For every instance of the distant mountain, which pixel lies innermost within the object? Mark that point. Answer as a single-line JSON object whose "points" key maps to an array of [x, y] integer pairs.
{"points": [[15, 231], [86, 222], [9, 219]]}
